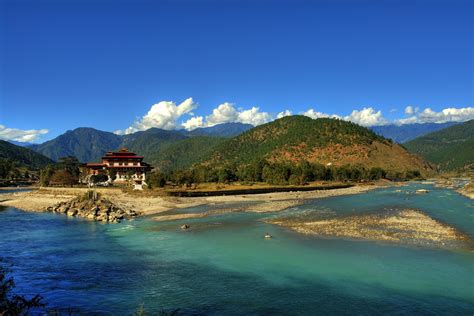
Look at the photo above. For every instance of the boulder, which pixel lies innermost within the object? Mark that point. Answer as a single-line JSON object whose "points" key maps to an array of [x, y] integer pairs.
{"points": [[71, 212], [97, 209]]}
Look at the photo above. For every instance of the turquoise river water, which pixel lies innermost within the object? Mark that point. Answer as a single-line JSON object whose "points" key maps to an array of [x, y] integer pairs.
{"points": [[223, 266]]}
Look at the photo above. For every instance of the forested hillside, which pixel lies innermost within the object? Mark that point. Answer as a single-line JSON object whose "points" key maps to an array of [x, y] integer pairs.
{"points": [[298, 149], [22, 156], [184, 153], [451, 148], [326, 141]]}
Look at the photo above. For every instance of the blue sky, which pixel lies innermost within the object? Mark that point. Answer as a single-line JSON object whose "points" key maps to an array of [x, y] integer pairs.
{"points": [[104, 64]]}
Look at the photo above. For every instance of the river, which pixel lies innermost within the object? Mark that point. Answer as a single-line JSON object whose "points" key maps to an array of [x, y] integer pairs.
{"points": [[223, 265]]}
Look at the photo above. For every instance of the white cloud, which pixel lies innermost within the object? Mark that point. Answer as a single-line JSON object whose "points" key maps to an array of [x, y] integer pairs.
{"points": [[254, 117], [443, 116], [227, 113], [315, 114], [161, 115], [19, 135], [193, 123], [409, 110], [367, 117], [224, 113], [284, 113]]}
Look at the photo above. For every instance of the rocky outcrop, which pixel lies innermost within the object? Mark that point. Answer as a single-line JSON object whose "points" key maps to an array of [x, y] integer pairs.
{"points": [[92, 207]]}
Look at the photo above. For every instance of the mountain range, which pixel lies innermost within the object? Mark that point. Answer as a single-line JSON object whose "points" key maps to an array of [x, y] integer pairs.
{"points": [[89, 144], [323, 140]]}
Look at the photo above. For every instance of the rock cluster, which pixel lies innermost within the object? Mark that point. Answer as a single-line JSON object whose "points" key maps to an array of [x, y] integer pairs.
{"points": [[94, 208]]}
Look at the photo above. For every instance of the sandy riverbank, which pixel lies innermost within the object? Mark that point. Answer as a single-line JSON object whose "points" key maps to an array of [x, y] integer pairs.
{"points": [[268, 202], [468, 190], [39, 199], [148, 202], [454, 183]]}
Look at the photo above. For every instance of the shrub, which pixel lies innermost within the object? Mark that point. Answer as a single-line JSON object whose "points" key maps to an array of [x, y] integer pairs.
{"points": [[11, 304], [98, 178]]}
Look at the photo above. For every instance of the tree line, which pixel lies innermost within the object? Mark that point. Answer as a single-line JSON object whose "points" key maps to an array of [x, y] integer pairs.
{"points": [[11, 172], [276, 174], [65, 172]]}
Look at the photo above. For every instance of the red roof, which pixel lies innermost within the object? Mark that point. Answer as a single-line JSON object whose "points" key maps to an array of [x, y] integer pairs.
{"points": [[122, 156], [113, 167], [95, 164]]}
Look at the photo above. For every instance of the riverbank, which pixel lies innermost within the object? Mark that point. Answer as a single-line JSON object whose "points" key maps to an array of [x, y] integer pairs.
{"points": [[155, 202], [468, 190], [463, 185]]}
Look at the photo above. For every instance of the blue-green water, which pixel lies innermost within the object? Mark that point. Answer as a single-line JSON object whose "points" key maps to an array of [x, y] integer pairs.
{"points": [[222, 265]]}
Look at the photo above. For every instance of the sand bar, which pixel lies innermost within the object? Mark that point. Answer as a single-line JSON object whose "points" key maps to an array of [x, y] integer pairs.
{"points": [[405, 226]]}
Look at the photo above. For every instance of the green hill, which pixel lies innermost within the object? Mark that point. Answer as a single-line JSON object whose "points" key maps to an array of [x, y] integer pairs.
{"points": [[326, 141], [149, 142], [184, 153], [22, 156], [451, 148]]}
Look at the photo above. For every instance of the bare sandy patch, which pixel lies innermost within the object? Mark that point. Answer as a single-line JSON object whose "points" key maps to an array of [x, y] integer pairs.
{"points": [[405, 226]]}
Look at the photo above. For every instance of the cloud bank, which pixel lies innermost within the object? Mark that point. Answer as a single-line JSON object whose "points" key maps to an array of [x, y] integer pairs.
{"points": [[14, 134], [169, 115], [430, 116], [166, 115]]}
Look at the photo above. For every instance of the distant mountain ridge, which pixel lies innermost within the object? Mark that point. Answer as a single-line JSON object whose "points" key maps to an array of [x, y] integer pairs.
{"points": [[89, 144], [451, 148], [84, 143], [23, 156], [407, 132], [221, 130], [21, 144]]}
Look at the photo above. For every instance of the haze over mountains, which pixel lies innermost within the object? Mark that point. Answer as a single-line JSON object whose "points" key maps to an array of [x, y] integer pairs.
{"points": [[406, 132]]}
